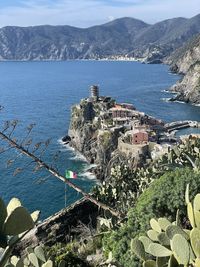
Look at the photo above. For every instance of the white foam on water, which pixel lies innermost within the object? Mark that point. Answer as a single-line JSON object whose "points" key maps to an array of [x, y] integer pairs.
{"points": [[61, 143], [165, 91], [181, 102], [196, 105], [166, 99], [88, 175], [172, 73], [77, 155], [89, 167]]}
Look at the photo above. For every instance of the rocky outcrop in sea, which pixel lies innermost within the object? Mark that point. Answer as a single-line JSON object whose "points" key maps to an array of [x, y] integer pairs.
{"points": [[87, 135], [102, 131]]}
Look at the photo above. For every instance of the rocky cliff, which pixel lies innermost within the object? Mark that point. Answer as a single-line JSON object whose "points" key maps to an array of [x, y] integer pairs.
{"points": [[102, 131], [126, 37], [88, 137], [187, 62]]}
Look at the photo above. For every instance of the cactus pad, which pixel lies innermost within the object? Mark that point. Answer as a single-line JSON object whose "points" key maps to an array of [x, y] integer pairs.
{"points": [[146, 242], [190, 214], [173, 230], [158, 250], [195, 241], [153, 235], [197, 202], [181, 249], [155, 225], [164, 239], [138, 248], [18, 222], [163, 222], [149, 263]]}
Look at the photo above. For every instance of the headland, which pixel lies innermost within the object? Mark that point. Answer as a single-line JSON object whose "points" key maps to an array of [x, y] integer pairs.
{"points": [[108, 133]]}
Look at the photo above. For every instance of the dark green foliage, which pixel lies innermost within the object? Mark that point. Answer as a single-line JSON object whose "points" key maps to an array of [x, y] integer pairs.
{"points": [[162, 199], [67, 253], [125, 184], [182, 244]]}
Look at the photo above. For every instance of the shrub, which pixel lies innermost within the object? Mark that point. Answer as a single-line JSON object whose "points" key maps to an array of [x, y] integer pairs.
{"points": [[168, 244], [68, 253], [162, 199]]}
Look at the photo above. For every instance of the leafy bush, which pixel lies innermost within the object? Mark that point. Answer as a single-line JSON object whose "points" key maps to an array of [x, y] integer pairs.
{"points": [[67, 253], [162, 199], [125, 184], [168, 244]]}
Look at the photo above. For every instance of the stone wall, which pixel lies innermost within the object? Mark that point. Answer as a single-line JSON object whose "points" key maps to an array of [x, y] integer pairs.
{"points": [[132, 150]]}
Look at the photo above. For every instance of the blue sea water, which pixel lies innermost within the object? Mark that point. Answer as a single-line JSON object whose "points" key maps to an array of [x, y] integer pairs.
{"points": [[43, 93]]}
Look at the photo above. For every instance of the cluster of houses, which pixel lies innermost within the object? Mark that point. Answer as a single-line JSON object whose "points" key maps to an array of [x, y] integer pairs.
{"points": [[139, 131]]}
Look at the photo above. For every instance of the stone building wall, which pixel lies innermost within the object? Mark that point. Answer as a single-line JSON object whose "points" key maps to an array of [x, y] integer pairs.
{"points": [[132, 150]]}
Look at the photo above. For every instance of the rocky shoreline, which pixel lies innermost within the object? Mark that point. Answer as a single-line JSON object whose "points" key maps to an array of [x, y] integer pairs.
{"points": [[186, 61], [107, 133]]}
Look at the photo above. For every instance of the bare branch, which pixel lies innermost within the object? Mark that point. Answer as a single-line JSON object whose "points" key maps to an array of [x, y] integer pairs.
{"points": [[59, 176], [17, 171], [6, 126], [43, 179], [29, 129], [13, 125]]}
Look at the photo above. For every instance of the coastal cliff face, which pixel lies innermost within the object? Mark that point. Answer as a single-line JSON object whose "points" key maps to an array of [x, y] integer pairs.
{"points": [[188, 88], [88, 137], [187, 61], [109, 133]]}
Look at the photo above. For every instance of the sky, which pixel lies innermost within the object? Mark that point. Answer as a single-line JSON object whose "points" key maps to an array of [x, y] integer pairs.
{"points": [[86, 13]]}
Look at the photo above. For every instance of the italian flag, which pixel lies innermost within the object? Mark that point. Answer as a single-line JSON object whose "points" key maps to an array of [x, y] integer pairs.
{"points": [[70, 175]]}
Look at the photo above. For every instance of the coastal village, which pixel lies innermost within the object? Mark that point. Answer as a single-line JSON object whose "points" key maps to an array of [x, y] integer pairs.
{"points": [[100, 123]]}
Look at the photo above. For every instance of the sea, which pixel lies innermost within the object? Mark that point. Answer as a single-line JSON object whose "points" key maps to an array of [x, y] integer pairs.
{"points": [[42, 93]]}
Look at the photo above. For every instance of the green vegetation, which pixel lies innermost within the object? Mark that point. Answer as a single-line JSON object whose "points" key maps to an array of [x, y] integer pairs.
{"points": [[67, 254], [105, 138], [75, 253], [162, 199], [15, 222], [35, 258], [121, 190], [157, 190], [170, 244], [127, 184]]}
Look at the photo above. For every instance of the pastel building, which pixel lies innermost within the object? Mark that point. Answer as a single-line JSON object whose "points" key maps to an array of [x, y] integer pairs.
{"points": [[125, 105], [140, 137]]}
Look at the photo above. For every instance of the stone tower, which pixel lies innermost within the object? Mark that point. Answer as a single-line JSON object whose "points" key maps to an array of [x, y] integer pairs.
{"points": [[94, 91]]}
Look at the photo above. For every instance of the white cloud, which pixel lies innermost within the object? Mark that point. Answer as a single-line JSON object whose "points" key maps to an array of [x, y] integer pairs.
{"points": [[111, 18], [84, 13]]}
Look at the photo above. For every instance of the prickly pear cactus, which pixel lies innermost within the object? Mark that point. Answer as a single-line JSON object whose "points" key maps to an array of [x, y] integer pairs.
{"points": [[167, 244], [35, 258], [14, 220]]}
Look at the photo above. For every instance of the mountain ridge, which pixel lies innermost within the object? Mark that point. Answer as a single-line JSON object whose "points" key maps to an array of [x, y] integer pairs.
{"points": [[126, 37]]}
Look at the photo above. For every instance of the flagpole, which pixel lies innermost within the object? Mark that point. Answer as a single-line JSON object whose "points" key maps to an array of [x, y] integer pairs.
{"points": [[65, 196]]}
